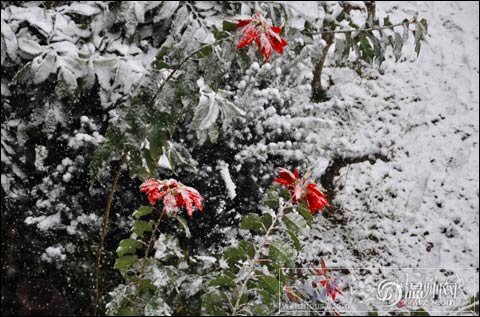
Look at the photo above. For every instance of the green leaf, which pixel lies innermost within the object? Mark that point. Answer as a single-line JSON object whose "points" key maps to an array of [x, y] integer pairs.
{"points": [[206, 113], [229, 26], [303, 210], [366, 49], [145, 286], [183, 224], [161, 65], [295, 222], [266, 220], [178, 156], [157, 138], [159, 62], [386, 21], [128, 246], [252, 222], [269, 283], [247, 247], [142, 211], [296, 241], [280, 254], [212, 303], [268, 298], [271, 199], [140, 226], [223, 281], [234, 254], [374, 312], [397, 46], [421, 29], [124, 262], [205, 51]]}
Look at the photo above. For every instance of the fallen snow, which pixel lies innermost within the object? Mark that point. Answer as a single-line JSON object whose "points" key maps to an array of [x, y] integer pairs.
{"points": [[420, 209]]}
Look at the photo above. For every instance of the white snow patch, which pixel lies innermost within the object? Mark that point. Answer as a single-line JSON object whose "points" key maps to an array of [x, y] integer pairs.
{"points": [[225, 173]]}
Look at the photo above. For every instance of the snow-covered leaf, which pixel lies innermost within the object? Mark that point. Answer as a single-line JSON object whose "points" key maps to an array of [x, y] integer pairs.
{"points": [[35, 16], [167, 10], [82, 9], [29, 46]]}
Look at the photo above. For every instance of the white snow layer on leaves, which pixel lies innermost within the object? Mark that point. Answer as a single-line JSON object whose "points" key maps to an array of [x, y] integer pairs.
{"points": [[229, 184], [44, 223], [54, 254]]}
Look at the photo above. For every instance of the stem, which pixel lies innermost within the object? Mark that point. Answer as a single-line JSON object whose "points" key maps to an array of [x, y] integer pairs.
{"points": [[152, 238], [150, 242], [318, 93], [106, 218]]}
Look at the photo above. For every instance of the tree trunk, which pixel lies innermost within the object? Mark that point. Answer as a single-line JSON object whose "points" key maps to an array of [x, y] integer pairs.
{"points": [[318, 93]]}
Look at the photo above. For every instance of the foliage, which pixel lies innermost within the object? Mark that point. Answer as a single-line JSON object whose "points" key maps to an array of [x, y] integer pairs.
{"points": [[244, 280]]}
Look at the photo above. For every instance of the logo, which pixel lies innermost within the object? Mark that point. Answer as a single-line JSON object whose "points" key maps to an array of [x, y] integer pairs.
{"points": [[389, 292]]}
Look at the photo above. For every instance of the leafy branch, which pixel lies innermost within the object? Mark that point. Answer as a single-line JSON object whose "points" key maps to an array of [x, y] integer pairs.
{"points": [[117, 173], [367, 45]]}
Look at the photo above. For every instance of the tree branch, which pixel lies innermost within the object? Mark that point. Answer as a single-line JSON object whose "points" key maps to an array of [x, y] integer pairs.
{"points": [[106, 219]]}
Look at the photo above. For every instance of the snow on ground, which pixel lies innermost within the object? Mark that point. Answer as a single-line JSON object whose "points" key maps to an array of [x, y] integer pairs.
{"points": [[420, 209]]}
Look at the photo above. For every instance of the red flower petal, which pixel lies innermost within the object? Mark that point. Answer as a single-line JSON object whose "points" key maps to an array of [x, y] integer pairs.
{"points": [[242, 23], [264, 45], [276, 29], [297, 193], [149, 185], [195, 197], [316, 200], [285, 177], [187, 202], [169, 202], [249, 34]]}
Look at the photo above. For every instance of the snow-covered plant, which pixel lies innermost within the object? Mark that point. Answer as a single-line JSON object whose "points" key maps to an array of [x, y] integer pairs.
{"points": [[353, 27], [154, 280], [244, 280]]}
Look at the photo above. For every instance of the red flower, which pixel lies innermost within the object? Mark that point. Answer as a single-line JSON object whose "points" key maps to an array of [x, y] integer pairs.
{"points": [[315, 199], [174, 195], [261, 31]]}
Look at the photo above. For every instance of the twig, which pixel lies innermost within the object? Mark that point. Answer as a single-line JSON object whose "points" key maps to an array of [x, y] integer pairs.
{"points": [[106, 218]]}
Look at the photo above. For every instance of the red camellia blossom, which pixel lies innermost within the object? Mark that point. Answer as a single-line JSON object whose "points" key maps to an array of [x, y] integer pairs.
{"points": [[174, 194], [260, 30], [298, 189]]}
